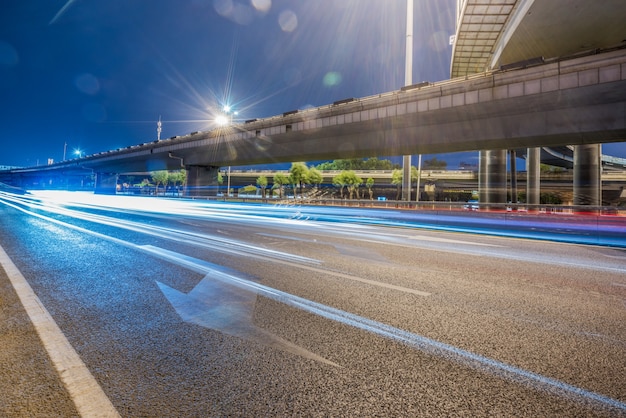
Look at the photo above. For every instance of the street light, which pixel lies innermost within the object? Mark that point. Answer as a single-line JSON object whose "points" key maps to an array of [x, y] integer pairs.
{"points": [[226, 119], [408, 77], [222, 120], [78, 152]]}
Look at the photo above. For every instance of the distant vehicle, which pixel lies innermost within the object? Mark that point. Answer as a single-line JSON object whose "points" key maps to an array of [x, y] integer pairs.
{"points": [[472, 205]]}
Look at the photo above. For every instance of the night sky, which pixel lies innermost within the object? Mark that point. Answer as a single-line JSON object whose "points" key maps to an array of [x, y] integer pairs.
{"points": [[97, 75]]}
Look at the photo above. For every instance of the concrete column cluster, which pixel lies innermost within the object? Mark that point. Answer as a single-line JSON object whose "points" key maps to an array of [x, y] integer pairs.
{"points": [[533, 175], [492, 181], [588, 174], [492, 176]]}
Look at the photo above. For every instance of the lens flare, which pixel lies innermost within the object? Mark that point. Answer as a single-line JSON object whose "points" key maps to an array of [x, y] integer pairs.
{"points": [[221, 120], [332, 78], [262, 6], [288, 21]]}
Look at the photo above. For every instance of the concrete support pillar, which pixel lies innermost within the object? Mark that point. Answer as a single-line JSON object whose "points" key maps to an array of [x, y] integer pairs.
{"points": [[513, 168], [588, 175], [106, 183], [201, 180], [482, 176], [406, 178], [533, 176], [492, 177]]}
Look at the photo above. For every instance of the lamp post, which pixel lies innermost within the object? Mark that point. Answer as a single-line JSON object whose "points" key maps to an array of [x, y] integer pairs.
{"points": [[228, 183], [408, 80], [226, 120]]}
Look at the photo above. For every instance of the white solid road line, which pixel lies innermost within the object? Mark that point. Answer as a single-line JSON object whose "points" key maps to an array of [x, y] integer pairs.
{"points": [[87, 395]]}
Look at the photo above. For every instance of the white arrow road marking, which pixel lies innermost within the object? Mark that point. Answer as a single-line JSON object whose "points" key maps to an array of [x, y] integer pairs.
{"points": [[88, 397], [216, 305], [467, 358]]}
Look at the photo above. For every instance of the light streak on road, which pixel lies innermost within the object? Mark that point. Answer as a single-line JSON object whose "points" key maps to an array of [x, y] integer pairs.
{"points": [[577, 229], [215, 243], [327, 221], [433, 347], [471, 248], [425, 344]]}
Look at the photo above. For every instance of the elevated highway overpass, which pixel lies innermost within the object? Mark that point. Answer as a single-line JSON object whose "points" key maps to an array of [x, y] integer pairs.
{"points": [[560, 102], [495, 34]]}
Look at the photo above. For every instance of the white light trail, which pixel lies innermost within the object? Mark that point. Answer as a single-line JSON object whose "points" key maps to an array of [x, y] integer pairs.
{"points": [[464, 357]]}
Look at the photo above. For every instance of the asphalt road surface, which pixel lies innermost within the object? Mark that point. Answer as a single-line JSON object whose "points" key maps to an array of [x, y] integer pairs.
{"points": [[144, 307]]}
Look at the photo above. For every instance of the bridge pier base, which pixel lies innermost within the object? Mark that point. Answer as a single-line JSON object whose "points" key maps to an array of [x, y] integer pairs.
{"points": [[492, 177], [533, 176], [200, 179], [513, 168], [106, 183], [588, 174]]}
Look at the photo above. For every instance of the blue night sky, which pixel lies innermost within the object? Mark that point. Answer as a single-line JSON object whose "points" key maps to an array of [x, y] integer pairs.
{"points": [[97, 75]]}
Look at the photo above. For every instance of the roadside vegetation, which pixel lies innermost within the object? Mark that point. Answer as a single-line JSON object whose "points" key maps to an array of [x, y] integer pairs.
{"points": [[301, 181]]}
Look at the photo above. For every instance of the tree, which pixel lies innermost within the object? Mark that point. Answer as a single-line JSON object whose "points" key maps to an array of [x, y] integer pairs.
{"points": [[415, 175], [280, 179], [159, 177], [220, 180], [144, 183], [357, 164], [315, 177], [299, 175], [545, 168], [369, 183], [178, 178], [350, 180], [435, 164], [340, 182], [396, 179], [262, 183], [250, 188], [353, 182], [376, 164]]}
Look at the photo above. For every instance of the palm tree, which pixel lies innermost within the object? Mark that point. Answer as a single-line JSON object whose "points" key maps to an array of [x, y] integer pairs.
{"points": [[262, 183]]}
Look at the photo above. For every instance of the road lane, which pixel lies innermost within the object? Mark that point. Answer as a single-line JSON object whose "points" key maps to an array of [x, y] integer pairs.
{"points": [[561, 323], [84, 391]]}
